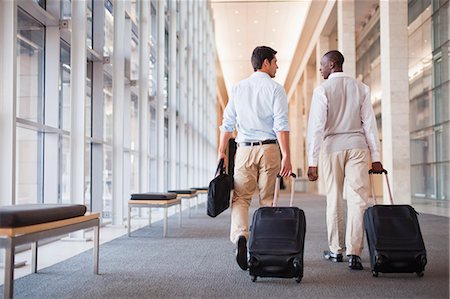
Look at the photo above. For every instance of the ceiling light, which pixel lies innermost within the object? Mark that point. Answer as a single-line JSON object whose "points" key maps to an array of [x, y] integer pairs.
{"points": [[255, 21], [236, 11]]}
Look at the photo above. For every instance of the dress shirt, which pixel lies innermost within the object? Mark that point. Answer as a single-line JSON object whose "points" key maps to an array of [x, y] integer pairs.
{"points": [[341, 117], [257, 107]]}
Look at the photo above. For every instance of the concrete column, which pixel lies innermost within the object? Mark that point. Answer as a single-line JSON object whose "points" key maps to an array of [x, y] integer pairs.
{"points": [[8, 56], [173, 146], [346, 34], [183, 95], [118, 107], [395, 98], [322, 47], [77, 102], [160, 96], [144, 54], [98, 108]]}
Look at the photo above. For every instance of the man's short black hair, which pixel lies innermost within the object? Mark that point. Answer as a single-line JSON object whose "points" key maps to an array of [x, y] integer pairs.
{"points": [[336, 56], [260, 54]]}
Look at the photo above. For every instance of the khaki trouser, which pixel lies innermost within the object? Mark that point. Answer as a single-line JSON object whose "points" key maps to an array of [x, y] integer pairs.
{"points": [[351, 164], [255, 166]]}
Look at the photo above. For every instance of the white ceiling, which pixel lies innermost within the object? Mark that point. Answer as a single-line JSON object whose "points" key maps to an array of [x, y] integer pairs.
{"points": [[240, 26]]}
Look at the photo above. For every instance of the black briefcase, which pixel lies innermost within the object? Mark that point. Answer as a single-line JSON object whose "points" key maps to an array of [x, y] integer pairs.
{"points": [[219, 191]]}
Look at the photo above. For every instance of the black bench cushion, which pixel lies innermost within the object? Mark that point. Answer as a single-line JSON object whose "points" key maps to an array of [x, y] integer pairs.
{"points": [[30, 214], [187, 191], [153, 196], [200, 188]]}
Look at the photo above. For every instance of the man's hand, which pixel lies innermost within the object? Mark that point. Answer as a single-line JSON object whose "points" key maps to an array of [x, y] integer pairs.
{"points": [[377, 167], [286, 167], [221, 156], [312, 174]]}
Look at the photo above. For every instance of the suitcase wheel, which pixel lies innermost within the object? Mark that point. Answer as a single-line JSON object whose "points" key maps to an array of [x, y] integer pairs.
{"points": [[254, 277], [374, 273], [419, 274]]}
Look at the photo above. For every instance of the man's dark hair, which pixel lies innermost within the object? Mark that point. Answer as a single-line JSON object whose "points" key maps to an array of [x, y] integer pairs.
{"points": [[260, 54], [336, 57]]}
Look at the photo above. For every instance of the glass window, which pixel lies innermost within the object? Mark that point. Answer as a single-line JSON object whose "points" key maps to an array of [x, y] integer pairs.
{"points": [[88, 100], [30, 67], [64, 168], [107, 182], [66, 9], [109, 33], [29, 158], [107, 109], [89, 27], [64, 87]]}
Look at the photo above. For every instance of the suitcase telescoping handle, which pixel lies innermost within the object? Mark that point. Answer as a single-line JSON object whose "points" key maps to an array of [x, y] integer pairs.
{"points": [[277, 189], [387, 182]]}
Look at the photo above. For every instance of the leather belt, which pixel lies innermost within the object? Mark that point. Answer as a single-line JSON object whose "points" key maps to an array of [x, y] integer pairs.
{"points": [[255, 143]]}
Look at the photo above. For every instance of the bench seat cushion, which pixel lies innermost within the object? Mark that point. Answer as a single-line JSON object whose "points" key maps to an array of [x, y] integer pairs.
{"points": [[153, 196], [30, 214], [200, 188], [187, 191]]}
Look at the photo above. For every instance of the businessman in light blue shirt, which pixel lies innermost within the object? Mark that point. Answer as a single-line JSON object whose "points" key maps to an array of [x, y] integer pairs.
{"points": [[258, 109]]}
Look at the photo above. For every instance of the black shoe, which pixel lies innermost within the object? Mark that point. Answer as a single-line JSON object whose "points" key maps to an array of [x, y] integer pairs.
{"points": [[241, 253], [334, 257], [354, 262]]}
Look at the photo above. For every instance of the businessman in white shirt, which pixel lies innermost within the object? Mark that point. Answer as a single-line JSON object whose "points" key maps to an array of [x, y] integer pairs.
{"points": [[342, 121], [258, 109]]}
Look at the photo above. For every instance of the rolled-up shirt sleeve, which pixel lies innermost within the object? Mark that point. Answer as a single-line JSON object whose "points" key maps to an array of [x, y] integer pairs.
{"points": [[280, 110], [316, 125], [369, 125], [229, 117]]}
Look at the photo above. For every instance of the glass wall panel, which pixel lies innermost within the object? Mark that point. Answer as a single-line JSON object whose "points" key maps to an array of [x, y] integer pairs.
{"points": [[29, 168], [64, 87], [107, 182], [30, 67], [64, 168]]}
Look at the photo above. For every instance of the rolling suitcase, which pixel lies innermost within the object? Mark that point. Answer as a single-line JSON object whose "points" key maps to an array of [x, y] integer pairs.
{"points": [[394, 238], [277, 240]]}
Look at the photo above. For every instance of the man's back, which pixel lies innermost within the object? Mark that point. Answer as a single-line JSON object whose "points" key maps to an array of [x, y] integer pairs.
{"points": [[260, 107], [343, 128]]}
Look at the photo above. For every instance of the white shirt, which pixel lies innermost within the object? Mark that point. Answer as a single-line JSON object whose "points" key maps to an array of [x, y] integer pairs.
{"points": [[257, 107], [341, 117]]}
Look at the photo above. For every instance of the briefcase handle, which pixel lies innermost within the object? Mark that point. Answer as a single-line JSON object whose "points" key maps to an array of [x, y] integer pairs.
{"points": [[371, 172], [220, 168], [277, 190]]}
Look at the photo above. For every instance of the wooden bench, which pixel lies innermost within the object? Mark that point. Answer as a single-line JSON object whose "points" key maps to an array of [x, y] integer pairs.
{"points": [[22, 224], [186, 194], [154, 200], [200, 191]]}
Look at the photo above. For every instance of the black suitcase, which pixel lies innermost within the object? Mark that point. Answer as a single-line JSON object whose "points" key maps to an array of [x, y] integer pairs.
{"points": [[277, 240], [394, 238]]}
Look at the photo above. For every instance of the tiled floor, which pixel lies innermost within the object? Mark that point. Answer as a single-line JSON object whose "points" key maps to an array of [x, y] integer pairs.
{"points": [[58, 251]]}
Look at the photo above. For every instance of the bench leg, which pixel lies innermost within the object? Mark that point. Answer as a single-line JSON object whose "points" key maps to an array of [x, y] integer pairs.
{"points": [[179, 215], [96, 246], [149, 216], [34, 257], [165, 222], [8, 287], [129, 221]]}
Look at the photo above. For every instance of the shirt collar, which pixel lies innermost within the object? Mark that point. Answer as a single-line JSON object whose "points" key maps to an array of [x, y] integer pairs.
{"points": [[337, 75], [260, 74]]}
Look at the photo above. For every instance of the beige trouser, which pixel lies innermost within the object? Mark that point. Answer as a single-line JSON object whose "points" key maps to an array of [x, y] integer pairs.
{"points": [[351, 164], [255, 166]]}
